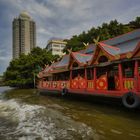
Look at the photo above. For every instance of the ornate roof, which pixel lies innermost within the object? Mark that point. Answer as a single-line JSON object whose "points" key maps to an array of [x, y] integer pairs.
{"points": [[90, 49], [81, 58], [126, 42], [63, 62], [110, 49], [120, 47]]}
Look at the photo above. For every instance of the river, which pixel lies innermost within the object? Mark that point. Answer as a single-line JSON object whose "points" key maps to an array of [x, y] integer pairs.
{"points": [[27, 115]]}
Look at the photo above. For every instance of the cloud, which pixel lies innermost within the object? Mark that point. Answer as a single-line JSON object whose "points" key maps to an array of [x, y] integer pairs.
{"points": [[61, 18]]}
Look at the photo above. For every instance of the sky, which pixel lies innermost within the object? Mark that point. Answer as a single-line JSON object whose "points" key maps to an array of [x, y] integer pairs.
{"points": [[60, 18]]}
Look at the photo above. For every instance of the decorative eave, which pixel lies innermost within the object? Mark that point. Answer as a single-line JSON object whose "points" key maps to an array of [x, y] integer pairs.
{"points": [[136, 50], [101, 46], [73, 58]]}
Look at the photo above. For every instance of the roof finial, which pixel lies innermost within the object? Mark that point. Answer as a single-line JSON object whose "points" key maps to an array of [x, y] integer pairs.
{"points": [[96, 41], [52, 62], [69, 50], [85, 44]]}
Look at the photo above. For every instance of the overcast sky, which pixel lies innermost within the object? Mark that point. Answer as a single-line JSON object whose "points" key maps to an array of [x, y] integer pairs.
{"points": [[60, 18]]}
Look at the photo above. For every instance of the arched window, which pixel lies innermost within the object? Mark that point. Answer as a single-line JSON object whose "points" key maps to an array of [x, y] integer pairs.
{"points": [[102, 59]]}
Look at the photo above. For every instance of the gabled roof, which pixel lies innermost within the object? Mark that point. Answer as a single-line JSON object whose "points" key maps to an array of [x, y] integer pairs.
{"points": [[89, 49], [126, 42], [63, 62], [123, 38], [48, 69], [120, 47], [80, 58], [111, 50]]}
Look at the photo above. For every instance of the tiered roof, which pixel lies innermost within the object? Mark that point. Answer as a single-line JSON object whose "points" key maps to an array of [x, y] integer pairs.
{"points": [[120, 47], [80, 58]]}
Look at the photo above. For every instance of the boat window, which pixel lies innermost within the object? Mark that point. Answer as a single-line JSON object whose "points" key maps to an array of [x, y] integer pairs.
{"points": [[79, 72], [115, 69], [128, 69], [101, 71], [64, 76], [89, 73], [139, 68]]}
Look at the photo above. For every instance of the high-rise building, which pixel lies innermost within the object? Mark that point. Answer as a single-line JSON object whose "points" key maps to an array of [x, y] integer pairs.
{"points": [[56, 46], [24, 35]]}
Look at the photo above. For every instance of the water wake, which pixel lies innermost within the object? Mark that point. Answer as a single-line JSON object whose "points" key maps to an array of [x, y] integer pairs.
{"points": [[33, 122]]}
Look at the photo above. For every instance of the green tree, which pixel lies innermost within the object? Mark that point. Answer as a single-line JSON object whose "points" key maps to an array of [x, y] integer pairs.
{"points": [[105, 31], [20, 72]]}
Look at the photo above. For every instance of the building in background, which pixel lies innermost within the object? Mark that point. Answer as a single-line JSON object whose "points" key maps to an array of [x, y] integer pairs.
{"points": [[56, 46], [24, 35]]}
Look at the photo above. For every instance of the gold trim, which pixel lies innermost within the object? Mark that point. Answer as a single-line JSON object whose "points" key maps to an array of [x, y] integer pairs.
{"points": [[129, 55], [117, 56]]}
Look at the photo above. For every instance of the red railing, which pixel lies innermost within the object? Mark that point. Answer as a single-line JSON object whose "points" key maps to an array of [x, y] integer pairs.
{"points": [[79, 83], [55, 84], [90, 85], [128, 83]]}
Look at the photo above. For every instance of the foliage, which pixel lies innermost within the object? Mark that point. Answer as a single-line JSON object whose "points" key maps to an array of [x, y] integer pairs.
{"points": [[105, 31], [20, 72]]}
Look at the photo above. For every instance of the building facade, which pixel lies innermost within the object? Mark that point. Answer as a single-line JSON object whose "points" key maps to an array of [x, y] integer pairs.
{"points": [[24, 35], [56, 46]]}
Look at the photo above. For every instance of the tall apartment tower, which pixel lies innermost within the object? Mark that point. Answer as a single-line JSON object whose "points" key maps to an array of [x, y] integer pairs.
{"points": [[24, 35]]}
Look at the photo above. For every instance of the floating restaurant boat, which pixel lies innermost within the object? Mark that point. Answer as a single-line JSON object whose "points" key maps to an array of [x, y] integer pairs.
{"points": [[108, 68]]}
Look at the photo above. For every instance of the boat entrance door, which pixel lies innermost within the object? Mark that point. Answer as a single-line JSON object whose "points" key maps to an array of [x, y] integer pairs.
{"points": [[113, 78]]}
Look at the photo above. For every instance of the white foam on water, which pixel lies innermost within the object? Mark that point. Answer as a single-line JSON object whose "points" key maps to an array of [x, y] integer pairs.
{"points": [[38, 122]]}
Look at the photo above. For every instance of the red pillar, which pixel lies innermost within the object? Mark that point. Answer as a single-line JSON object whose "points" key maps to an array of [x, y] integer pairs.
{"points": [[85, 73], [94, 73], [86, 76], [136, 73], [70, 77], [120, 76]]}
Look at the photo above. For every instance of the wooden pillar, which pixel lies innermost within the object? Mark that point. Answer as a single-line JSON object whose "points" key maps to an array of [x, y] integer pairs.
{"points": [[136, 73], [94, 78], [120, 76]]}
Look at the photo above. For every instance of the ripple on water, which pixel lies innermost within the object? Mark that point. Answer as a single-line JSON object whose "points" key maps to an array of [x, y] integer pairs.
{"points": [[30, 122]]}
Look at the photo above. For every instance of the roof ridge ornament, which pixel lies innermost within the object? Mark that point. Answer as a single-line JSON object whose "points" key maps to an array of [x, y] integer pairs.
{"points": [[129, 55], [117, 56], [52, 62], [70, 50], [96, 41], [86, 44]]}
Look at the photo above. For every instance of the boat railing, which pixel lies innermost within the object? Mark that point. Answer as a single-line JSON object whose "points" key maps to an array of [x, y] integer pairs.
{"points": [[90, 85], [55, 84], [128, 83]]}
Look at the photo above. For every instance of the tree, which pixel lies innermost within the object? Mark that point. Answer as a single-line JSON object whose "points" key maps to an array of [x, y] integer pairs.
{"points": [[105, 31], [20, 72]]}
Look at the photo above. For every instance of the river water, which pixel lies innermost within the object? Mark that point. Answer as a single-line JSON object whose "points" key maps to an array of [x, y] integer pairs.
{"points": [[27, 115]]}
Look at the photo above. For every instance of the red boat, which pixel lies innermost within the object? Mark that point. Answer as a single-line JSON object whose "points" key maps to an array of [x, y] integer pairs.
{"points": [[110, 68]]}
